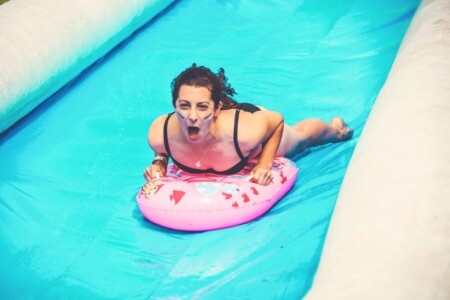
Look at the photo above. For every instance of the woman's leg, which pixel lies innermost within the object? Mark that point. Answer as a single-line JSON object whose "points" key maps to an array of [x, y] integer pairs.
{"points": [[311, 133]]}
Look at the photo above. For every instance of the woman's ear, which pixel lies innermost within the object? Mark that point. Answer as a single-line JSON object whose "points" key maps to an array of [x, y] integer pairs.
{"points": [[217, 109]]}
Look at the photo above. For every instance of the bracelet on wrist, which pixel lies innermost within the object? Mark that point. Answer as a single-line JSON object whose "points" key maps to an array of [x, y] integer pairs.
{"points": [[160, 158]]}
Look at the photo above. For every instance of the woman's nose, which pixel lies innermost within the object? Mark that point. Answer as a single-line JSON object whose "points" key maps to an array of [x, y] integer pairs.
{"points": [[193, 116]]}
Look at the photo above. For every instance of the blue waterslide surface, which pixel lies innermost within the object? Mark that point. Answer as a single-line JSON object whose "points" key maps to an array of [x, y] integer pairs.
{"points": [[70, 171]]}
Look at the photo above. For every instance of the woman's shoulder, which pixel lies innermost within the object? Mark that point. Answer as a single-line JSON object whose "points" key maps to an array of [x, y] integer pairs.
{"points": [[158, 123], [250, 127], [161, 119], [156, 132]]}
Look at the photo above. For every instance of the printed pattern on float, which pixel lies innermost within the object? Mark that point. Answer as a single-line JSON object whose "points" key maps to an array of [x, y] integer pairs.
{"points": [[186, 201]]}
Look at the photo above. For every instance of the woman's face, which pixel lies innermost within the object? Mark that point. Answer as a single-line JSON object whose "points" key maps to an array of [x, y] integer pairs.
{"points": [[195, 111]]}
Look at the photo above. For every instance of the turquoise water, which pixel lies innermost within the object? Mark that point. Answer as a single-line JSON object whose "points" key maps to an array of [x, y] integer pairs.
{"points": [[70, 171]]}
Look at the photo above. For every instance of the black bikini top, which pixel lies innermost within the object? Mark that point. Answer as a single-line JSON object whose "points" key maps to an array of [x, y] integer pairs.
{"points": [[236, 168]]}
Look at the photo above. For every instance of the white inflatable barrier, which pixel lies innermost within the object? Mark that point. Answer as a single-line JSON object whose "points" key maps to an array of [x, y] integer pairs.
{"points": [[389, 237], [45, 44]]}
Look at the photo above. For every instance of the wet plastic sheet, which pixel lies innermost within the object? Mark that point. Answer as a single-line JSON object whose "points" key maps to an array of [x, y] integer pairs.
{"points": [[70, 171]]}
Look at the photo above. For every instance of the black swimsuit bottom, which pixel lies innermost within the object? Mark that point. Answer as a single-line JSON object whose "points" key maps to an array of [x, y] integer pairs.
{"points": [[237, 167]]}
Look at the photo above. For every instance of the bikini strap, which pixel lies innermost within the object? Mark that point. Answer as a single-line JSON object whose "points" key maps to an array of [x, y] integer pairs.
{"points": [[235, 134], [166, 139]]}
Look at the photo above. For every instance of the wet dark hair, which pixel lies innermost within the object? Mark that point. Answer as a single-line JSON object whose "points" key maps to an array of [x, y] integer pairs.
{"points": [[204, 77]]}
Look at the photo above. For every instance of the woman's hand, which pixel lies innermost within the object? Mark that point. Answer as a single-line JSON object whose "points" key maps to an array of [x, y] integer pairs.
{"points": [[262, 175], [155, 171]]}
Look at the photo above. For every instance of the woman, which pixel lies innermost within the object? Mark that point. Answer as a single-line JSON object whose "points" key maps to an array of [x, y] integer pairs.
{"points": [[210, 132]]}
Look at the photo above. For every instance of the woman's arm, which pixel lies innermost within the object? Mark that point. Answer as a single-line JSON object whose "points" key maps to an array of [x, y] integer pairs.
{"points": [[156, 142], [270, 126]]}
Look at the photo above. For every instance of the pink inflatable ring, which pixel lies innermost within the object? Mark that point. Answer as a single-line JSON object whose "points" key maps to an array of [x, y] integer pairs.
{"points": [[197, 202]]}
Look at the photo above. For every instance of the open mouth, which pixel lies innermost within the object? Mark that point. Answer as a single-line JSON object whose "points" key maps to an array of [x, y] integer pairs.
{"points": [[192, 130]]}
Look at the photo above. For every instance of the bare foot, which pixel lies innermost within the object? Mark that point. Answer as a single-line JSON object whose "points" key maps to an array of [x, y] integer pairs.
{"points": [[345, 132]]}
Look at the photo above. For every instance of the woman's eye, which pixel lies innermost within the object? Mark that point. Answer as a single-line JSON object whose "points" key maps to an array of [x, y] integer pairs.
{"points": [[203, 107], [184, 105]]}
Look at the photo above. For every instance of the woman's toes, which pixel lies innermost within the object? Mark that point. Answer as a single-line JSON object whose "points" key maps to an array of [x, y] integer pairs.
{"points": [[345, 132]]}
